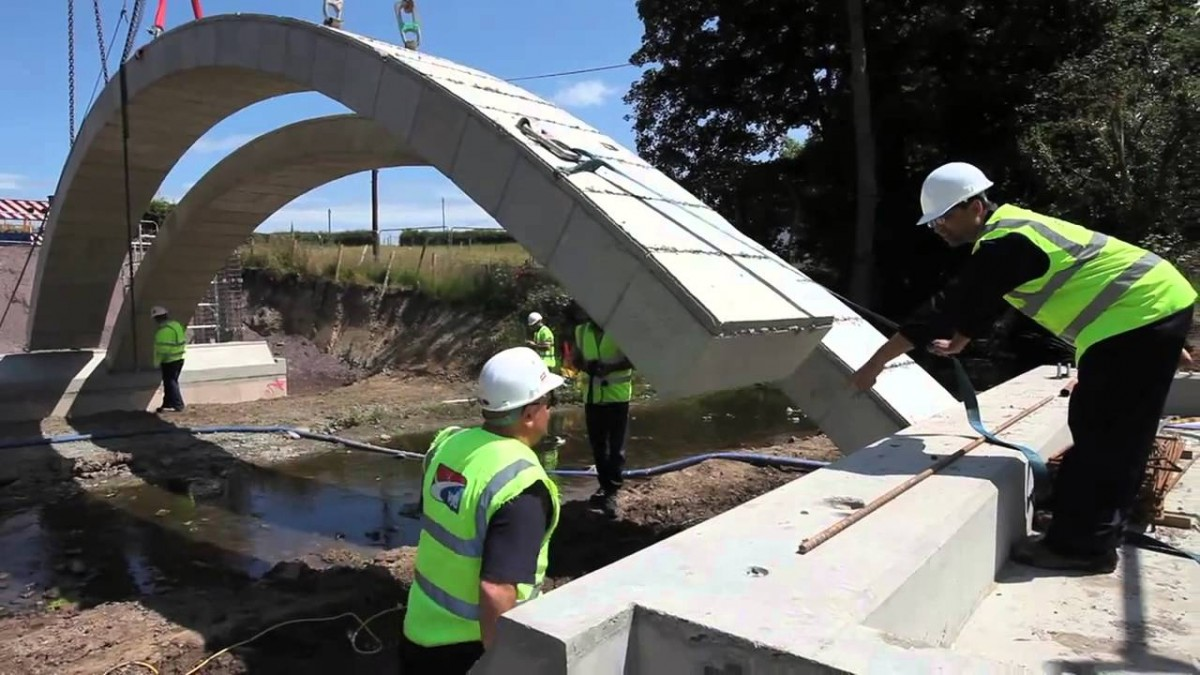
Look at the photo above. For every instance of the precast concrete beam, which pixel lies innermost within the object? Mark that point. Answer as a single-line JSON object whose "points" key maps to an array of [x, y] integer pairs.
{"points": [[697, 305], [224, 208]]}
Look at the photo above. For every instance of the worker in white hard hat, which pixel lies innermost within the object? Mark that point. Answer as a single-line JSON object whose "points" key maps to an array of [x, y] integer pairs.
{"points": [[488, 512], [1126, 312], [170, 346], [542, 341]]}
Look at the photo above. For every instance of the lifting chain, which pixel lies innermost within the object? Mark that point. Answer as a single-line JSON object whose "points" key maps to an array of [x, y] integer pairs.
{"points": [[135, 22], [71, 67], [410, 26], [100, 40]]}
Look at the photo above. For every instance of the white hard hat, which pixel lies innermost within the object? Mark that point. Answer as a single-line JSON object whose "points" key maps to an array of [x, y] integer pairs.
{"points": [[948, 185], [534, 317], [157, 311], [513, 378]]}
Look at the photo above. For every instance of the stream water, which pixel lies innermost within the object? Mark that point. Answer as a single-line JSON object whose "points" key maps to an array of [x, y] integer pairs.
{"points": [[147, 538]]}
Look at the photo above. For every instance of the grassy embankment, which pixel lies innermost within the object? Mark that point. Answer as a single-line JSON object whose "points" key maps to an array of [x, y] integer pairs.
{"points": [[498, 278]]}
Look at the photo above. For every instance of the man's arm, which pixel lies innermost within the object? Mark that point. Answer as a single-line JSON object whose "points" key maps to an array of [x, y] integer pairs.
{"points": [[967, 306], [510, 555]]}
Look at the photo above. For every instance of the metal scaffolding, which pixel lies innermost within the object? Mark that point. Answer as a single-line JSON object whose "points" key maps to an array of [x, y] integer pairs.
{"points": [[219, 314]]}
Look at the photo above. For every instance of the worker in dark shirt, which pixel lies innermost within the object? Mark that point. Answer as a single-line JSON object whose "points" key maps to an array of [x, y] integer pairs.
{"points": [[488, 511], [1127, 313]]}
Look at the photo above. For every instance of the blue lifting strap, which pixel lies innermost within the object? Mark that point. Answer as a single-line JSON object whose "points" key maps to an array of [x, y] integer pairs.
{"points": [[1037, 465]]}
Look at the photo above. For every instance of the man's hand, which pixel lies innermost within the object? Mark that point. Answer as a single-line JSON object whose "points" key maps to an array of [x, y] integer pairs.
{"points": [[494, 600], [864, 378], [1186, 362], [949, 347]]}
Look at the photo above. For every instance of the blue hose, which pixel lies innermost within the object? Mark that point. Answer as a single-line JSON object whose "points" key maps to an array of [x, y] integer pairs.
{"points": [[747, 457], [1194, 426]]}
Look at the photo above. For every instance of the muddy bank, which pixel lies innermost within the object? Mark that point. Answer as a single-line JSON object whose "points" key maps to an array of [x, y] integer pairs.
{"points": [[337, 333], [199, 607]]}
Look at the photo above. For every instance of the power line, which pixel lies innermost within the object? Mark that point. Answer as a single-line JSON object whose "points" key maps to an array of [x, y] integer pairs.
{"points": [[570, 72]]}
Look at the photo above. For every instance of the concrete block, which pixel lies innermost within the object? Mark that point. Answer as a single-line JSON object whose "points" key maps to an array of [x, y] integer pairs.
{"points": [[273, 56], [438, 128], [396, 104], [726, 291], [301, 56], [361, 76], [820, 388], [329, 66], [534, 209], [594, 264], [485, 164]]}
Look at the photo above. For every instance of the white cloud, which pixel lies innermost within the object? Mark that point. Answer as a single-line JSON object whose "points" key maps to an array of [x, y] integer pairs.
{"points": [[222, 143], [357, 215], [11, 181], [584, 94]]}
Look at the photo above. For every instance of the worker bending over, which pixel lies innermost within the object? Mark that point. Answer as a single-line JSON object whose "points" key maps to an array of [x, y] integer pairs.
{"points": [[607, 390], [488, 510], [170, 346], [543, 341], [1126, 311]]}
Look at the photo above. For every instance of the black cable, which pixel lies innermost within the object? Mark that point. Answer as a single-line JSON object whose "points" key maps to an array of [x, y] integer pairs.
{"points": [[570, 72], [133, 323], [108, 51]]}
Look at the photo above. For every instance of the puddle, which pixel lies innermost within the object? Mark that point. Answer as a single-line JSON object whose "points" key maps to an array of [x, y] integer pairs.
{"points": [[153, 537]]}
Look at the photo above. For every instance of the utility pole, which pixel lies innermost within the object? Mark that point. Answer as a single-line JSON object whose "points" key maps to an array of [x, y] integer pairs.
{"points": [[375, 214], [445, 232], [329, 220]]}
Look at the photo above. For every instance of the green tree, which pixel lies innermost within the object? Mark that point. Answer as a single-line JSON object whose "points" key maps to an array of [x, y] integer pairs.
{"points": [[948, 81], [1114, 134]]}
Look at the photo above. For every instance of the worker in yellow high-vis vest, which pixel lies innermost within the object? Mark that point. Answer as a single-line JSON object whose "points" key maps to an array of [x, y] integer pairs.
{"points": [[1126, 311], [606, 375], [488, 510], [170, 346], [542, 341]]}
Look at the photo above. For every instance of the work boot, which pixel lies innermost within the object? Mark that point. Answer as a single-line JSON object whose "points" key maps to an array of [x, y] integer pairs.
{"points": [[1035, 553], [609, 506], [596, 501]]}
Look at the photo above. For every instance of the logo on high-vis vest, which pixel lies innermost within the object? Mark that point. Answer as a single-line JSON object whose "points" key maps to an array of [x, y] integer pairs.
{"points": [[448, 486]]}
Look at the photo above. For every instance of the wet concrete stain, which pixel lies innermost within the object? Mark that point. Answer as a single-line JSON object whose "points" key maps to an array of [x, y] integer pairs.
{"points": [[200, 530]]}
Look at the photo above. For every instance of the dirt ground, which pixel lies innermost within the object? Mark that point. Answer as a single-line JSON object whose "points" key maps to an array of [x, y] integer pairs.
{"points": [[173, 629]]}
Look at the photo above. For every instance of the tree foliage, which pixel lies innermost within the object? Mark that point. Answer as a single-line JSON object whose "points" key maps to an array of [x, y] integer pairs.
{"points": [[1082, 107]]}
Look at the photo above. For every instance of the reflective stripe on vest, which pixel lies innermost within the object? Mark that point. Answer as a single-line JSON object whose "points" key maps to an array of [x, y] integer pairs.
{"points": [[615, 387], [1096, 286], [470, 474]]}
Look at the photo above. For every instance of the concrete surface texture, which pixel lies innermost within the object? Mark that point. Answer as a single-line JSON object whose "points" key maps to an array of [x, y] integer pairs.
{"points": [[1143, 619], [695, 304], [37, 385], [891, 593], [220, 212]]}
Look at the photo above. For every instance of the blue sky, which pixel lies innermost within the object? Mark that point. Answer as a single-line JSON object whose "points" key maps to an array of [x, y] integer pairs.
{"points": [[530, 37]]}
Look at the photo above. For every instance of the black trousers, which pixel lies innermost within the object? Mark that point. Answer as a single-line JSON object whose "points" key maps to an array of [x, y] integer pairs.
{"points": [[607, 428], [172, 397], [1122, 387], [455, 659]]}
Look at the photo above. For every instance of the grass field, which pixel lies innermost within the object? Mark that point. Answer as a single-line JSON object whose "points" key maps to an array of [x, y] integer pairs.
{"points": [[456, 272]]}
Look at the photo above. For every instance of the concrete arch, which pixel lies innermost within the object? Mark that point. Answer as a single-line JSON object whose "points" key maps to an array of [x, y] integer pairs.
{"points": [[225, 206], [697, 305]]}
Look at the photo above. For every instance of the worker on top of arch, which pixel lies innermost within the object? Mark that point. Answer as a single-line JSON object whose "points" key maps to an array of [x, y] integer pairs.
{"points": [[1126, 311]]}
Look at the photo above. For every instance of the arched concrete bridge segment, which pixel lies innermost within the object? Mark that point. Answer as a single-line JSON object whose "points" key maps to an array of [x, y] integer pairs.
{"points": [[697, 305], [229, 202]]}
